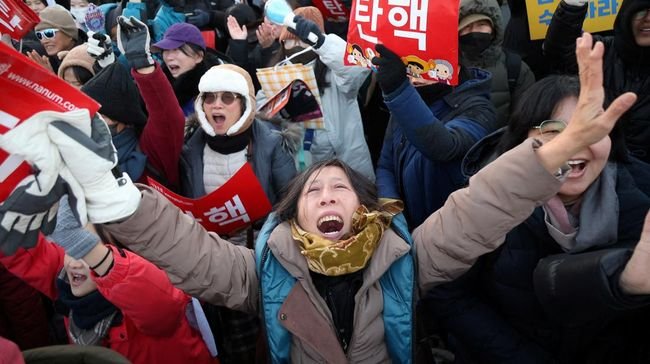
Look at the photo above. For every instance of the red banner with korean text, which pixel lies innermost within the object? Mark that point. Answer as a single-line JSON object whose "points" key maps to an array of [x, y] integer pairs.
{"points": [[233, 206], [16, 18], [424, 33], [332, 10], [28, 88]]}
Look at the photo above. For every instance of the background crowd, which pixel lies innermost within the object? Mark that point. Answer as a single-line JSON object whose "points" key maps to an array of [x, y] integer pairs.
{"points": [[501, 220]]}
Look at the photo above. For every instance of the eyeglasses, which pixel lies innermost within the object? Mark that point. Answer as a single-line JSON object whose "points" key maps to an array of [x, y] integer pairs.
{"points": [[549, 129], [641, 14], [46, 33], [226, 97]]}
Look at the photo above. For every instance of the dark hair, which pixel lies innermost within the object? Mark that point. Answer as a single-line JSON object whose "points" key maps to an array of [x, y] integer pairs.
{"points": [[191, 49], [538, 103], [287, 207], [81, 74]]}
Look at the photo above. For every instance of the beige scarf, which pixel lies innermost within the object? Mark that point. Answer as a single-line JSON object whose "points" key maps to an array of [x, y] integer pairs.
{"points": [[351, 254]]}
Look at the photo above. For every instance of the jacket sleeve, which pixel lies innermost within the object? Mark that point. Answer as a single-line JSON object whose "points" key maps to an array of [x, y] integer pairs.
{"points": [[386, 179], [579, 288], [435, 140], [162, 138], [348, 79], [196, 261], [479, 330], [283, 169], [474, 220], [38, 266], [560, 42], [133, 278]]}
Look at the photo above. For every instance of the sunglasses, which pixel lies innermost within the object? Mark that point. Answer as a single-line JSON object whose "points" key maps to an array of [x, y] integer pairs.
{"points": [[226, 97], [549, 129], [46, 33], [641, 14]]}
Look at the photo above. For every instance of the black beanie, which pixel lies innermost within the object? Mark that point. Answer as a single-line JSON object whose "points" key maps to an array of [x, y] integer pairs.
{"points": [[114, 89]]}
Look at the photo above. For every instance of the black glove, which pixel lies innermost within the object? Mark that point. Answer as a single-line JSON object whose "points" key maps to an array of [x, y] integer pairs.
{"points": [[304, 28], [100, 48], [133, 40], [199, 18], [391, 72]]}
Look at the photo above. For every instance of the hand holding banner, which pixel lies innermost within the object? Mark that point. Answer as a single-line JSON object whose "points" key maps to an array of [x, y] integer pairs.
{"points": [[424, 33], [33, 89]]}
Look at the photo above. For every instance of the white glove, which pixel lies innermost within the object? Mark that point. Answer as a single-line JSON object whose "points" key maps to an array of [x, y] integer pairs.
{"points": [[100, 47], [576, 2], [91, 161], [33, 204]]}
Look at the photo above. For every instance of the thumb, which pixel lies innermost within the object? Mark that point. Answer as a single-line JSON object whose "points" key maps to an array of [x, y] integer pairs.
{"points": [[619, 106]]}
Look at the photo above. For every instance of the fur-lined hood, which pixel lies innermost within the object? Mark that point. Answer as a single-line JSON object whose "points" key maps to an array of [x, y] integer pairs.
{"points": [[490, 8], [227, 77]]}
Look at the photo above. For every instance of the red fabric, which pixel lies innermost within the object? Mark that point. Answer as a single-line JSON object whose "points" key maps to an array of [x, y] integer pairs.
{"points": [[162, 138], [22, 313], [154, 327], [10, 353]]}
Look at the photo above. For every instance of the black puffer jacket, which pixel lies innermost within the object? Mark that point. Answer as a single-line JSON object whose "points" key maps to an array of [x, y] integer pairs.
{"points": [[626, 65], [493, 59]]}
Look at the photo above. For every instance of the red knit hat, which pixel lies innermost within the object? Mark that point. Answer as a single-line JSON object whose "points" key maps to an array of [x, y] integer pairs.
{"points": [[308, 12]]}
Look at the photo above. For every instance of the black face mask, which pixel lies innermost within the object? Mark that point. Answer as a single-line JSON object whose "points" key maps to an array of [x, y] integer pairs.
{"points": [[303, 58], [474, 43]]}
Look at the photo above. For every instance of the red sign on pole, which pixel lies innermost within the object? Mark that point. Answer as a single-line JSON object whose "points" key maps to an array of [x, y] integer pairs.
{"points": [[28, 88], [237, 204], [423, 32], [332, 10], [16, 18]]}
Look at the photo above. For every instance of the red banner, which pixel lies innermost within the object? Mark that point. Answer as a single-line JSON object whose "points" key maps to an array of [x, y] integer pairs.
{"points": [[423, 32], [233, 206], [16, 18], [332, 10], [29, 88]]}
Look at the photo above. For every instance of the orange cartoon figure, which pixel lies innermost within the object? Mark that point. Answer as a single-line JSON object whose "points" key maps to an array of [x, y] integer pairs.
{"points": [[416, 66]]}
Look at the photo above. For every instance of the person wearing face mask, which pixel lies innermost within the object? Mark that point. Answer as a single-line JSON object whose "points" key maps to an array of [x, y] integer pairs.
{"points": [[94, 286], [78, 9], [339, 85], [432, 125], [627, 60], [480, 39], [558, 290]]}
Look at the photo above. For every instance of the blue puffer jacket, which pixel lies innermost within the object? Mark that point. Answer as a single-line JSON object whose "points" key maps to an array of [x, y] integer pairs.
{"points": [[424, 144], [531, 302]]}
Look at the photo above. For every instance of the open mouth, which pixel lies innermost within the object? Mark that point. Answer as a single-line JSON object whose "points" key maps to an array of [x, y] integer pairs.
{"points": [[173, 68], [77, 279], [577, 167], [218, 118], [330, 225]]}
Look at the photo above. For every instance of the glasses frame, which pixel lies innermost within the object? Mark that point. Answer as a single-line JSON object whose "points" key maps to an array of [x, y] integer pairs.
{"points": [[41, 34], [219, 96], [546, 137]]}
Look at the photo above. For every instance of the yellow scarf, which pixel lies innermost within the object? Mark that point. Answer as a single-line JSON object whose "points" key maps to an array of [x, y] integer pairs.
{"points": [[352, 254]]}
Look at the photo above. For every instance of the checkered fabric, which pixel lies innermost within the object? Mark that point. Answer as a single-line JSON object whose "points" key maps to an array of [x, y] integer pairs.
{"points": [[274, 79]]}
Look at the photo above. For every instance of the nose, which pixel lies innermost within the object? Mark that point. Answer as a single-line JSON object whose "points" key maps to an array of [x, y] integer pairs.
{"points": [[327, 198]]}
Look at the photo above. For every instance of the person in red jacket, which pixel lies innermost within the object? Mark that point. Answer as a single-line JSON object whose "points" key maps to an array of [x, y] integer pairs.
{"points": [[114, 298]]}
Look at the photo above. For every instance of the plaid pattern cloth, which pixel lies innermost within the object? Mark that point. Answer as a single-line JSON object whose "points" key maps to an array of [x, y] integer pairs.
{"points": [[274, 79]]}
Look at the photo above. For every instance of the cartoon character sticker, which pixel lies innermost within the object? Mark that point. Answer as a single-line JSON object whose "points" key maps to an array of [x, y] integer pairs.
{"points": [[442, 71], [416, 66], [356, 56]]}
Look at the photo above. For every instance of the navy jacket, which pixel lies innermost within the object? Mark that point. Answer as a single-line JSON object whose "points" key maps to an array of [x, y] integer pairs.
{"points": [[425, 144]]}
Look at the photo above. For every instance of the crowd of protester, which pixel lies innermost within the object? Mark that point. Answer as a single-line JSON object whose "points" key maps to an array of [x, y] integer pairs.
{"points": [[499, 220]]}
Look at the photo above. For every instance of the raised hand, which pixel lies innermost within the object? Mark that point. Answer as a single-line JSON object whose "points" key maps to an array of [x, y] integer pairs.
{"points": [[42, 61], [32, 206], [236, 32], [133, 40], [90, 160], [590, 122], [304, 30], [100, 48], [635, 278], [267, 33], [391, 72]]}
